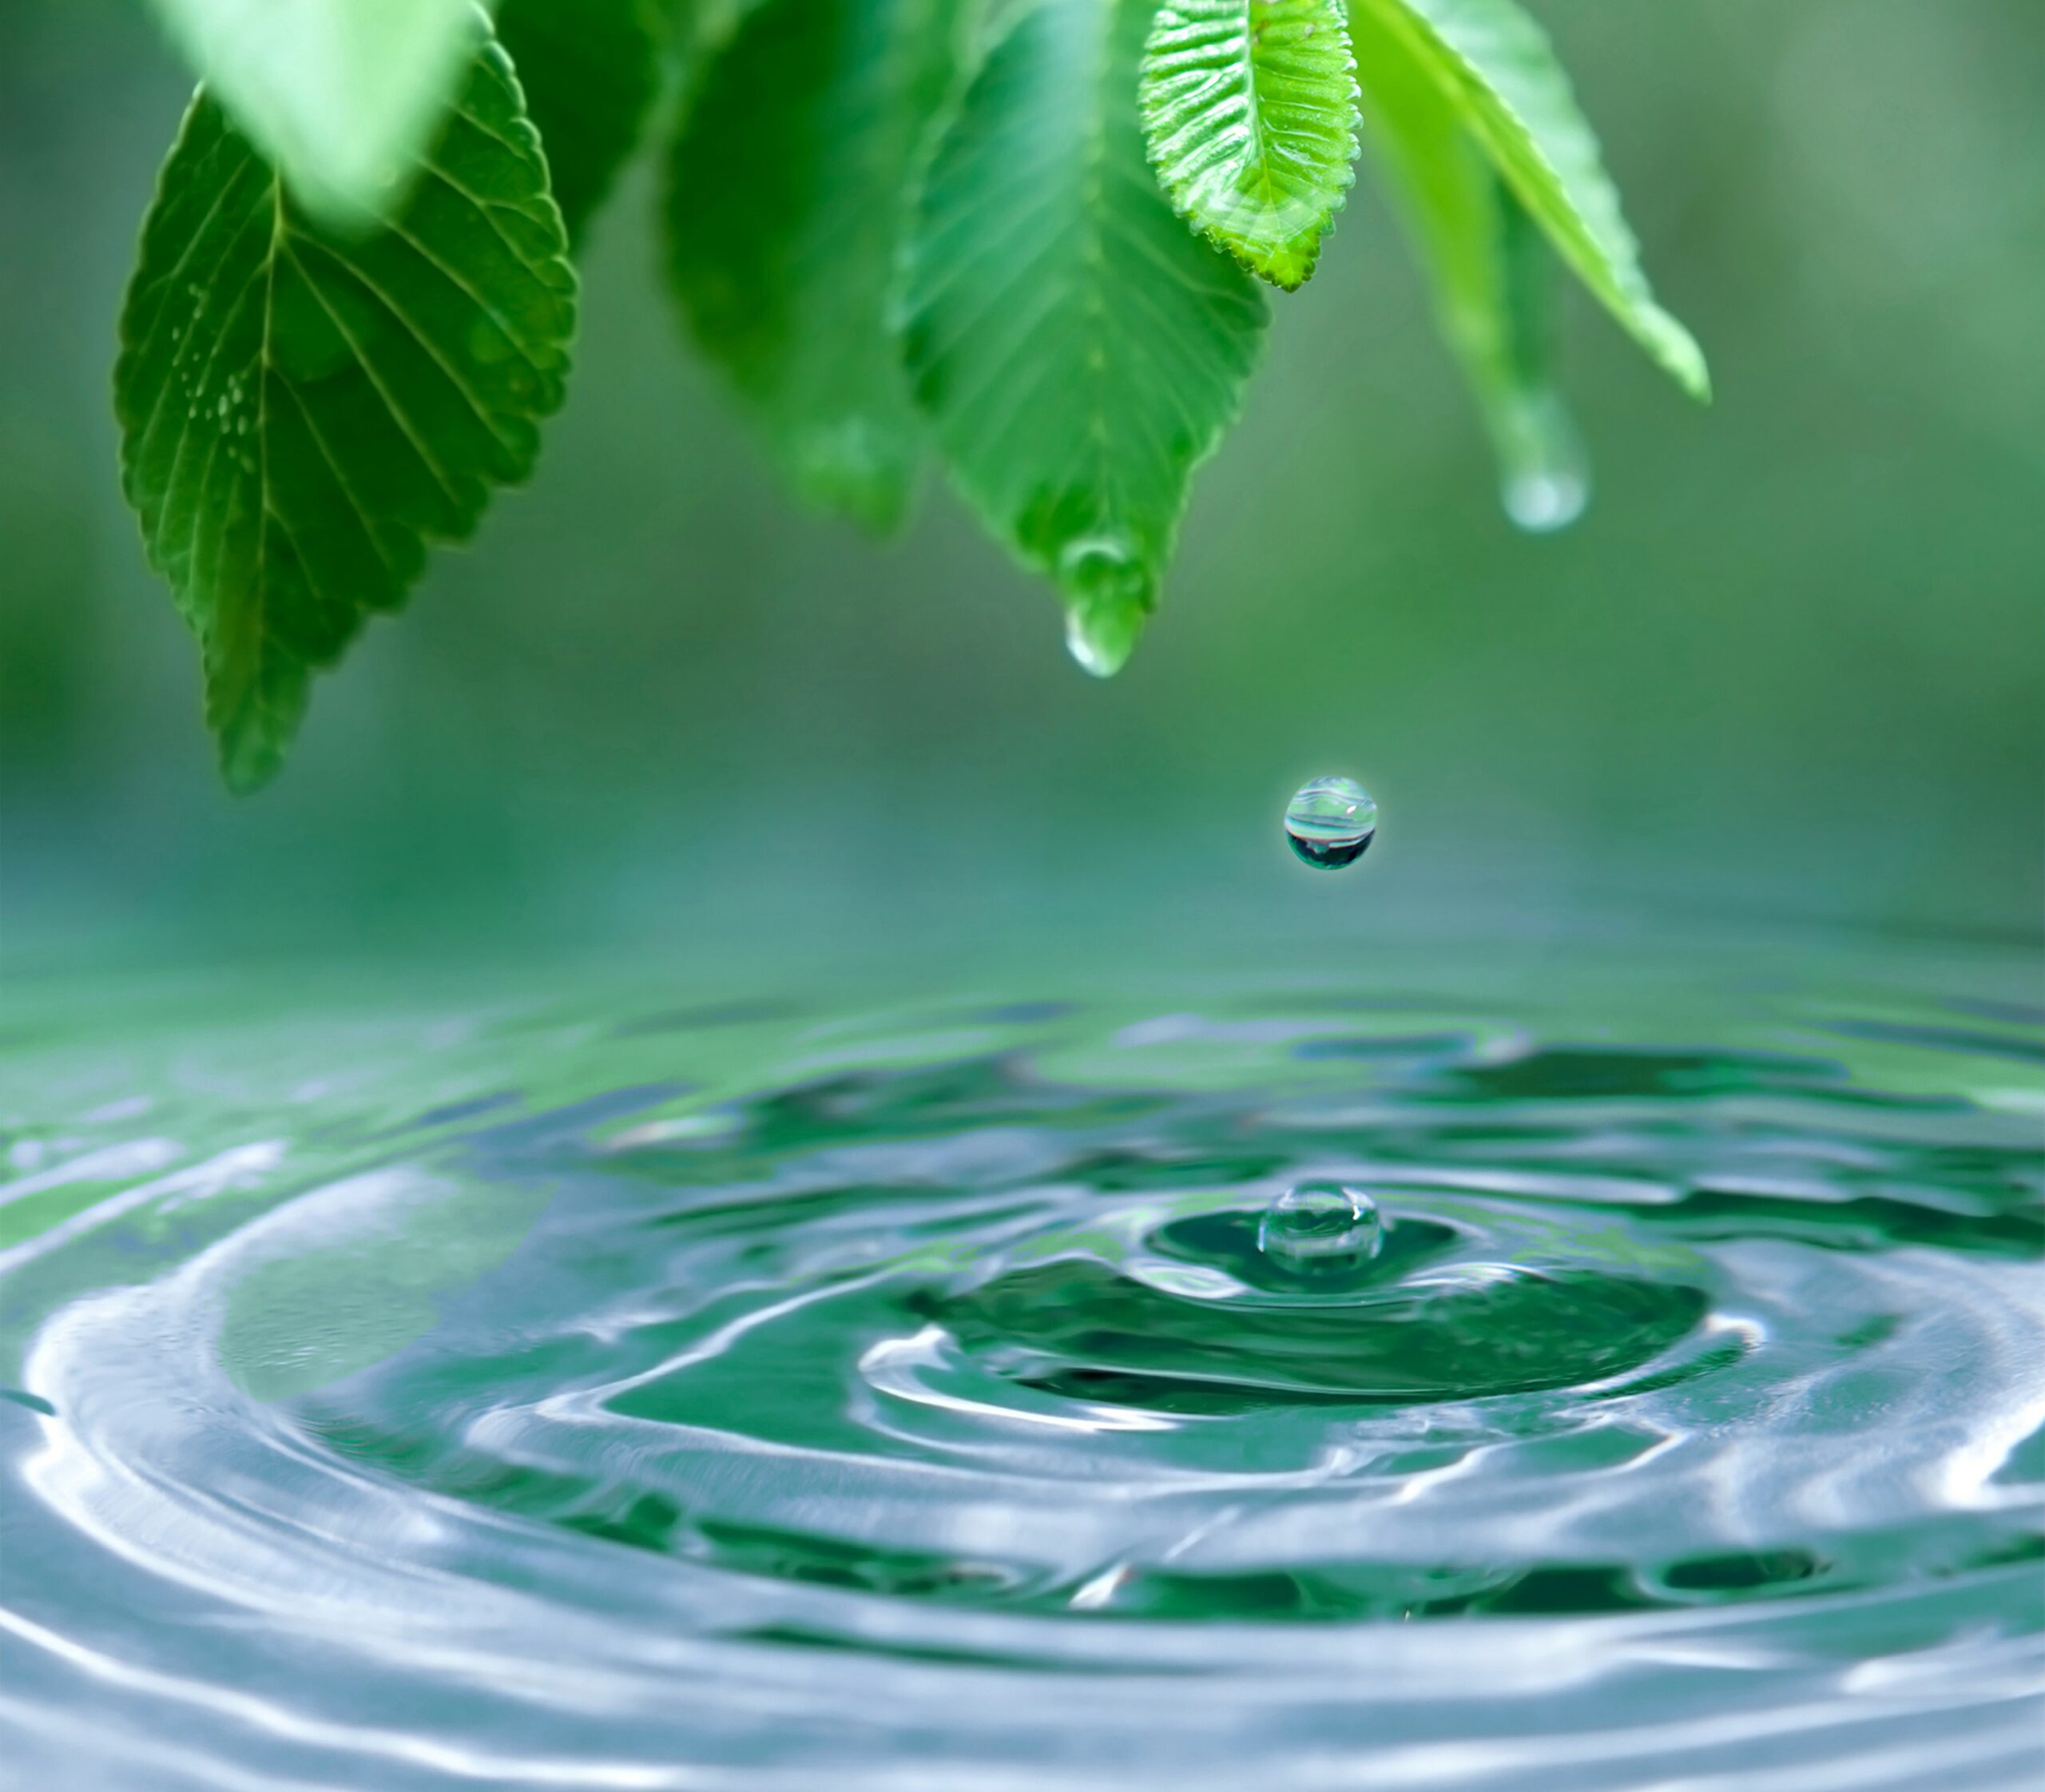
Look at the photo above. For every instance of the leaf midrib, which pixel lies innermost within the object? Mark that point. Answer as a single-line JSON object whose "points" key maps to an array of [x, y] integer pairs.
{"points": [[264, 362], [1255, 105]]}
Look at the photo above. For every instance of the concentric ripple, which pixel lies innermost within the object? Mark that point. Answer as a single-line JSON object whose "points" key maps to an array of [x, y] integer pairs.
{"points": [[602, 1394]]}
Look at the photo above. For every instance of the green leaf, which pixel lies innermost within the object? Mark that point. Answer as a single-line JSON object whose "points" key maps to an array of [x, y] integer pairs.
{"points": [[1491, 270], [1078, 350], [1250, 109], [787, 198], [302, 412], [591, 71], [340, 94], [1495, 65]]}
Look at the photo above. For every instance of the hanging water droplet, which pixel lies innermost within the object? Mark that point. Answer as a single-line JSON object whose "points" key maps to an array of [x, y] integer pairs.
{"points": [[1330, 822], [1547, 475], [1545, 499], [1107, 601], [1320, 1227], [1091, 648]]}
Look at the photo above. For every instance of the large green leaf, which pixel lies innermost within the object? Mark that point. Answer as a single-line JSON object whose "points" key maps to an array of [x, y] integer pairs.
{"points": [[301, 411], [1495, 65], [1078, 350], [340, 94], [787, 198], [1250, 109], [591, 71], [1491, 269]]}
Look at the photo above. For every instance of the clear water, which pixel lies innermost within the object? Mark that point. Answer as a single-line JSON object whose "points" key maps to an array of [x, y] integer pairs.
{"points": [[627, 1387], [1321, 1226], [1330, 822]]}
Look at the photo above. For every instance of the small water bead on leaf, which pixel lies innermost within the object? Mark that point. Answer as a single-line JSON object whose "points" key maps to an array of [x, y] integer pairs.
{"points": [[1330, 822], [1320, 1227]]}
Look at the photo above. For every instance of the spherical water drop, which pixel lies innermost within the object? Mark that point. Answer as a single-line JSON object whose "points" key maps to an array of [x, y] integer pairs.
{"points": [[1330, 822], [1317, 1226]]}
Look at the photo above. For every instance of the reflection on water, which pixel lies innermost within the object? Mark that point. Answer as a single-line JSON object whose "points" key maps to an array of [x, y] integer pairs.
{"points": [[663, 1392]]}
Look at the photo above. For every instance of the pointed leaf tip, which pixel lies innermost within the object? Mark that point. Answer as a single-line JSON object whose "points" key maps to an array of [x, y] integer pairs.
{"points": [[1495, 65]]}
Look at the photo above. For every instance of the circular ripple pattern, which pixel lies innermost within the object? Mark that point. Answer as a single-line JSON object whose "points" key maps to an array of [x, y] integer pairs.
{"points": [[748, 1398]]}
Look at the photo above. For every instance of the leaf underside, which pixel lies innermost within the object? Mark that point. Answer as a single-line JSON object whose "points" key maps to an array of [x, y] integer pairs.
{"points": [[786, 209], [1490, 270], [591, 71], [340, 94], [1078, 350], [303, 410], [1250, 107], [1495, 65]]}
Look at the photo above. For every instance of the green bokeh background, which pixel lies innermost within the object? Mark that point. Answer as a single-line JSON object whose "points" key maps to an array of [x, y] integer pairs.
{"points": [[1790, 663]]}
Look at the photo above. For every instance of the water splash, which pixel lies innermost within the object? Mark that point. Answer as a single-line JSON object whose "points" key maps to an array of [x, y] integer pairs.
{"points": [[1321, 1226]]}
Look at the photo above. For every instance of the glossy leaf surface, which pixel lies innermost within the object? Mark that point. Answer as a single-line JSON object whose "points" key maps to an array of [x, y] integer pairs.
{"points": [[591, 72], [303, 410], [1077, 349], [1249, 108], [787, 194]]}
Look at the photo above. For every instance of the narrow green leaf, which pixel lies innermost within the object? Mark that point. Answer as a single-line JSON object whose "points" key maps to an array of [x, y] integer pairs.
{"points": [[1495, 65], [787, 199], [591, 71], [340, 94], [1491, 273], [1250, 109], [301, 411], [1078, 349]]}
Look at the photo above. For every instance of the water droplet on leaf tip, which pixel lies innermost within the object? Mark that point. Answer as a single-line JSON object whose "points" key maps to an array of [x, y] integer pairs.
{"points": [[1321, 1225], [1542, 500], [1092, 650], [1330, 821], [1107, 601]]}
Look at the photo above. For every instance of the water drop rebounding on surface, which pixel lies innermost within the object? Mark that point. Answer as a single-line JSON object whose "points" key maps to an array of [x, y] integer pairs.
{"points": [[1317, 1226], [1330, 822]]}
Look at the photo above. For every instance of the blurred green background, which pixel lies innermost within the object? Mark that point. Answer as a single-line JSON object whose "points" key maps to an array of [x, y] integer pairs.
{"points": [[1790, 663]]}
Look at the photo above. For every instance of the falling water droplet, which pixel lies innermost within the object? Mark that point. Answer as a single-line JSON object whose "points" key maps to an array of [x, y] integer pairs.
{"points": [[1317, 1226], [1330, 822]]}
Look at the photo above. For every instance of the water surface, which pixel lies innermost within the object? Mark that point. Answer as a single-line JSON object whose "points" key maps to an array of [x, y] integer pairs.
{"points": [[636, 1383]]}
